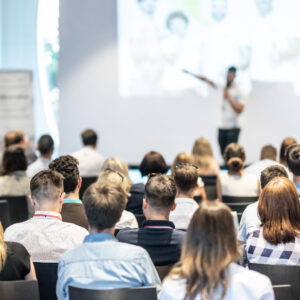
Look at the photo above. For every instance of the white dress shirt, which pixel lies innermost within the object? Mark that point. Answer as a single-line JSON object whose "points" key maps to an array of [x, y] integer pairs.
{"points": [[37, 166], [45, 236], [182, 214], [90, 161], [128, 220], [243, 284]]}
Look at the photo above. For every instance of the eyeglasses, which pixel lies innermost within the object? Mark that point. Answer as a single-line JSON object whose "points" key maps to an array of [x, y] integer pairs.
{"points": [[111, 170], [186, 164]]}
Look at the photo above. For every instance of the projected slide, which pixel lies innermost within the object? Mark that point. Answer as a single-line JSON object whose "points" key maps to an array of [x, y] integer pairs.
{"points": [[159, 38]]}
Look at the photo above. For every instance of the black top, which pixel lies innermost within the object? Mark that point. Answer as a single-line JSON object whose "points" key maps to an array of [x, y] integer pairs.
{"points": [[160, 238], [74, 213], [135, 201], [17, 264]]}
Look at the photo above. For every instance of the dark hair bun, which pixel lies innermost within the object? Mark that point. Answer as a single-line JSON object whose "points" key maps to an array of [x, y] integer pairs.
{"points": [[235, 164]]}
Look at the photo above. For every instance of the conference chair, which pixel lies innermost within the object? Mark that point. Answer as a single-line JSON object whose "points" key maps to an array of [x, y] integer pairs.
{"points": [[46, 274], [140, 219], [4, 214], [283, 292], [238, 204], [20, 289], [17, 207], [281, 275], [86, 182], [163, 271], [145, 293], [210, 186]]}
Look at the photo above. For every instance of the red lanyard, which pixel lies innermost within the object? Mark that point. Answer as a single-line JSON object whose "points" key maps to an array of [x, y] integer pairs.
{"points": [[50, 216]]}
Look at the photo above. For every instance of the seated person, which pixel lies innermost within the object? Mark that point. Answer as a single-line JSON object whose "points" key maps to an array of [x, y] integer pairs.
{"points": [[46, 236], [101, 262], [250, 218], [277, 239], [90, 161], [207, 267], [181, 158], [293, 161], [236, 182], [45, 147], [288, 141], [14, 181], [127, 220], [158, 235], [15, 261], [186, 177], [72, 209]]}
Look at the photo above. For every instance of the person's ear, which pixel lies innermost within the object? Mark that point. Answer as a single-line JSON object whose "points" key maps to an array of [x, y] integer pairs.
{"points": [[31, 200], [173, 206], [61, 198], [79, 183], [145, 203]]}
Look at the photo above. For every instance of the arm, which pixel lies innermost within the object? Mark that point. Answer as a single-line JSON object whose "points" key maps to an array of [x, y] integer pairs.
{"points": [[202, 78], [238, 107], [31, 275]]}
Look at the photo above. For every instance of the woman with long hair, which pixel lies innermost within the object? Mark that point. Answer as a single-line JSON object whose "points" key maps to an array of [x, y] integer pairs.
{"points": [[277, 239], [207, 269]]}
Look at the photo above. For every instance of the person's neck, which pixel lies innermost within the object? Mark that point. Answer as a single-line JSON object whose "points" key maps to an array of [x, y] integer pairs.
{"points": [[92, 146], [154, 215], [72, 195], [93, 230], [183, 195], [48, 208], [240, 172], [45, 156], [296, 179]]}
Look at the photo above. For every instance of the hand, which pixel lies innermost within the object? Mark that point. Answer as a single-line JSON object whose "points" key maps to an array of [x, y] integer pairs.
{"points": [[226, 93]]}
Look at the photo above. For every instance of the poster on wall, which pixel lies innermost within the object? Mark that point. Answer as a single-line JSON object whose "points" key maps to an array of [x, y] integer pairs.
{"points": [[16, 103]]}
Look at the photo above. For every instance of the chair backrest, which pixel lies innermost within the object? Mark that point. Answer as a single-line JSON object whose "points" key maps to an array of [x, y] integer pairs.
{"points": [[163, 271], [20, 289], [140, 219], [86, 182], [145, 293], [283, 292], [281, 275], [46, 274], [18, 209], [210, 186], [4, 214]]}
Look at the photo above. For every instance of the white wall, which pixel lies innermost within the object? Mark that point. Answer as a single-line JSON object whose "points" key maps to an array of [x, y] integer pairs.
{"points": [[88, 81]]}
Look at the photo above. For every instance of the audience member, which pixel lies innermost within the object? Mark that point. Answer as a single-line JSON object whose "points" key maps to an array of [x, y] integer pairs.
{"points": [[207, 268], [153, 162], [293, 162], [45, 146], [90, 161], [72, 209], [181, 158], [128, 219], [186, 177], [101, 262], [204, 159], [276, 240], [45, 236], [158, 235], [236, 182], [250, 219], [268, 157], [15, 262], [284, 145], [14, 181]]}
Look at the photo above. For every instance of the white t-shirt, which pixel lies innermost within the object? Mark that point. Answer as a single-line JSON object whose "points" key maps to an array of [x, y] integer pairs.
{"points": [[128, 220], [245, 185], [229, 118], [37, 166]]}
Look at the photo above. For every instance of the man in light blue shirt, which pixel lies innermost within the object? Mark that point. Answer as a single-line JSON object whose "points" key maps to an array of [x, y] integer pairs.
{"points": [[102, 262], [250, 218]]}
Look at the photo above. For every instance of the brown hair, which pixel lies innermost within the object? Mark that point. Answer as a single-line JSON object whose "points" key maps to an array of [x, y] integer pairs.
{"points": [[209, 248], [285, 143], [13, 138], [13, 159], [89, 137], [268, 152], [271, 172], [104, 203], [46, 185], [181, 158], [234, 156], [279, 211], [292, 155], [153, 162], [202, 147], [160, 191], [186, 177]]}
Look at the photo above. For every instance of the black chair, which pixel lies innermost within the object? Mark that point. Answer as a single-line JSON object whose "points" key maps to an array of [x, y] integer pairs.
{"points": [[283, 292], [18, 209], [281, 275], [46, 274], [4, 214], [210, 186], [163, 271], [145, 293], [140, 219], [239, 204], [20, 289], [86, 182]]}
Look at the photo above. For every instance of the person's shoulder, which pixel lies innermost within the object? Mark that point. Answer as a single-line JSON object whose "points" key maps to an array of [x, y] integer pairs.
{"points": [[173, 288], [70, 227], [17, 227], [16, 248], [251, 208], [127, 234], [132, 252], [178, 235]]}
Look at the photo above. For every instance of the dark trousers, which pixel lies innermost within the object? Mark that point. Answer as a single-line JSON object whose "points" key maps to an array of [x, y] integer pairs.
{"points": [[227, 136]]}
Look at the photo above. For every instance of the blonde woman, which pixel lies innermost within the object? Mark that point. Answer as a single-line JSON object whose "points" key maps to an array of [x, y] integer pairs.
{"points": [[207, 269], [15, 262], [128, 219]]}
